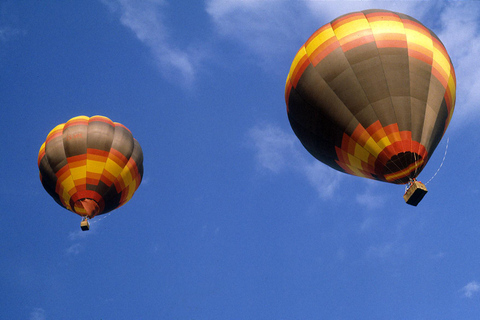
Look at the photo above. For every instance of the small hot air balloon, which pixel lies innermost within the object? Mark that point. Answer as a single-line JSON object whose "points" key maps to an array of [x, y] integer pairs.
{"points": [[371, 94], [90, 166]]}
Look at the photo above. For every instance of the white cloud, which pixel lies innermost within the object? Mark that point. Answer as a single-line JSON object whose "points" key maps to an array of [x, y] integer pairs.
{"points": [[370, 197], [471, 288], [382, 251], [274, 29], [78, 234], [37, 314], [277, 150], [331, 9], [263, 28], [273, 146], [145, 19], [461, 36], [323, 178], [74, 249], [7, 33]]}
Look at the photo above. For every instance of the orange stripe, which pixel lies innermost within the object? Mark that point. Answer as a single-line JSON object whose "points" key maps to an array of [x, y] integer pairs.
{"points": [[93, 178], [299, 69], [76, 122], [107, 178], [357, 39], [53, 135], [440, 75], [347, 18], [77, 158], [391, 43], [382, 16], [316, 33], [415, 26], [121, 125], [405, 172], [101, 119], [118, 155], [324, 50]]}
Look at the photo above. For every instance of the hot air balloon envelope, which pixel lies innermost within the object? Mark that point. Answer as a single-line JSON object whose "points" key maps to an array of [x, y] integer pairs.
{"points": [[371, 94], [90, 166]]}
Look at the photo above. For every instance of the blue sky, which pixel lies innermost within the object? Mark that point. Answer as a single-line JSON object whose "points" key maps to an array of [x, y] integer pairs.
{"points": [[233, 219]]}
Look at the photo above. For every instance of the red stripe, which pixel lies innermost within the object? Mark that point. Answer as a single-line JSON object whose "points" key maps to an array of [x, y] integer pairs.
{"points": [[316, 33], [76, 122], [121, 125], [357, 39], [382, 16], [101, 119], [52, 136], [324, 50], [347, 18], [299, 69]]}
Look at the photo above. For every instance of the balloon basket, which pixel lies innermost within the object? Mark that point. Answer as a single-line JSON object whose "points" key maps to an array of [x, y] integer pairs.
{"points": [[415, 193], [85, 225]]}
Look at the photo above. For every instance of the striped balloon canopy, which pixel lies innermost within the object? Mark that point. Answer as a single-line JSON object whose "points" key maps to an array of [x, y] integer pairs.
{"points": [[371, 94], [90, 166]]}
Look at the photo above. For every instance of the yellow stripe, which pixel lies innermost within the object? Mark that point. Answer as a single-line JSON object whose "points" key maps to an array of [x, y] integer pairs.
{"points": [[351, 27], [66, 199], [356, 171], [452, 88], [300, 54], [78, 173], [419, 38], [95, 166], [404, 172], [387, 26], [113, 168], [361, 153], [57, 128], [68, 184], [441, 60], [321, 38], [384, 142], [355, 162], [79, 118], [131, 190], [126, 176], [372, 147]]}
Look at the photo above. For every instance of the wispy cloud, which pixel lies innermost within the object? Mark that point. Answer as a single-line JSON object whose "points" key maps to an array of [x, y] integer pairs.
{"points": [[276, 150], [274, 30], [37, 314], [7, 33], [281, 26], [75, 235], [74, 249], [330, 9], [461, 36], [274, 147], [470, 289], [145, 18], [263, 28], [370, 197]]}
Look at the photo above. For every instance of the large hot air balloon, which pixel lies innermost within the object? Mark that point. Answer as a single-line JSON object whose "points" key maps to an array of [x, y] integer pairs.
{"points": [[371, 94], [90, 166]]}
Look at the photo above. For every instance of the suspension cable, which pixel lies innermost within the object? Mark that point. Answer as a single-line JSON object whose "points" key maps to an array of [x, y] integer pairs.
{"points": [[93, 221], [441, 164]]}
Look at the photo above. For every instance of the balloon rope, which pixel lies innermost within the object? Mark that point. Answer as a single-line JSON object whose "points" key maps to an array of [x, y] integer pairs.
{"points": [[416, 167], [441, 164], [100, 219]]}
